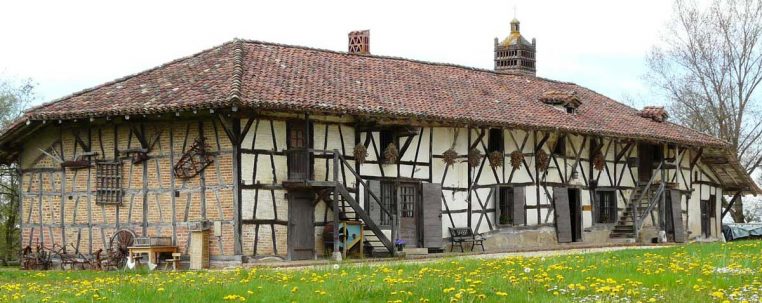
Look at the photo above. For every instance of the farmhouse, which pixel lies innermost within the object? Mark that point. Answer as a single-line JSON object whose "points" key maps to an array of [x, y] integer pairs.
{"points": [[279, 150]]}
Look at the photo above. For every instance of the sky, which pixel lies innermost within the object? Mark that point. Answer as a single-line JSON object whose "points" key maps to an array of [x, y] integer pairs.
{"points": [[67, 46]]}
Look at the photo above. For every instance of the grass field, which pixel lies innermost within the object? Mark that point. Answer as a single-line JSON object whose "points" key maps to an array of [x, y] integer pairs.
{"points": [[716, 272]]}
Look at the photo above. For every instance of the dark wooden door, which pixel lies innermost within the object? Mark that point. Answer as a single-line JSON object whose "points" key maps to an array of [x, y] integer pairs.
{"points": [[301, 225], [431, 214], [575, 213], [563, 215], [705, 218], [299, 159], [646, 160], [409, 212]]}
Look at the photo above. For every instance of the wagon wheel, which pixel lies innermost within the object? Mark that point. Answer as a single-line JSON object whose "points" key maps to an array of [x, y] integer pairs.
{"points": [[118, 245]]}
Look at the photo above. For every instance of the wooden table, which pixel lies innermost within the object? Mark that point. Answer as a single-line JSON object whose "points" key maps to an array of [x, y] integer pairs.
{"points": [[152, 251]]}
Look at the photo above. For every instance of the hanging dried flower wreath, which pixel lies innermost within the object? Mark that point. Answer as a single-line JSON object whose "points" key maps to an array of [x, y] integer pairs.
{"points": [[542, 160], [599, 162], [516, 159], [474, 157], [361, 153], [496, 159], [450, 156], [391, 154]]}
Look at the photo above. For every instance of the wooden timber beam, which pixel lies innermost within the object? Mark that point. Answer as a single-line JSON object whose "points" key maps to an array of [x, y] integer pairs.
{"points": [[730, 204]]}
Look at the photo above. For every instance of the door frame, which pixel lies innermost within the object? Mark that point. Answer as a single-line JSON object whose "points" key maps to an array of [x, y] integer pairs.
{"points": [[575, 213], [646, 164]]}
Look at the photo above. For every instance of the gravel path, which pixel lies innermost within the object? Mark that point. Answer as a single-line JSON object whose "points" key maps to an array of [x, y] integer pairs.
{"points": [[321, 264]]}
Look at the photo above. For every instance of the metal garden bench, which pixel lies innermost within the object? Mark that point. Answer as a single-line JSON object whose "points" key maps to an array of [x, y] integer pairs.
{"points": [[460, 235]]}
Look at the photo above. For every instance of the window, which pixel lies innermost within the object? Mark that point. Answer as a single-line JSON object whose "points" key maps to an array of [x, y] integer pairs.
{"points": [[387, 200], [560, 148], [606, 205], [386, 137], [407, 196], [505, 205], [108, 182], [495, 140]]}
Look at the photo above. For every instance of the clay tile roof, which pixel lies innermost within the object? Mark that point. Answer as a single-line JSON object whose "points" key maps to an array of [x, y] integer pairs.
{"points": [[264, 75], [282, 77], [656, 113]]}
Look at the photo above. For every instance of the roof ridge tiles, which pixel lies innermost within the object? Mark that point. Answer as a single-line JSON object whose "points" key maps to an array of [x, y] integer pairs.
{"points": [[405, 59]]}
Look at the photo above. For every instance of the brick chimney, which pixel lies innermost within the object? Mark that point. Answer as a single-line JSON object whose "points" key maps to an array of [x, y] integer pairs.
{"points": [[359, 42]]}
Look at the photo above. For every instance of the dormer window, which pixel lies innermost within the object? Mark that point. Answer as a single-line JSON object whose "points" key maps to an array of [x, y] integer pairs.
{"points": [[564, 100], [656, 113]]}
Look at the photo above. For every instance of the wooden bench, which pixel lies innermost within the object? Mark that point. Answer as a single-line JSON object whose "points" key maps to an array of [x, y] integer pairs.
{"points": [[462, 235]]}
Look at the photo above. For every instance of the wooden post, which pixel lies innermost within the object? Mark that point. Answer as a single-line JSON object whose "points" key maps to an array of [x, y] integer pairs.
{"points": [[663, 196], [336, 252], [237, 193]]}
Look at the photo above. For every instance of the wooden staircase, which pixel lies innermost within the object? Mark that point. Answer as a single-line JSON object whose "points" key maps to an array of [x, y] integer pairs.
{"points": [[375, 241], [341, 201], [625, 225], [642, 202]]}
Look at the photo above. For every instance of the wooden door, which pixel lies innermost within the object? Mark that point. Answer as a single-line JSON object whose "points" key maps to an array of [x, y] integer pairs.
{"points": [[705, 218], [408, 211], [301, 225], [298, 159], [676, 211], [431, 216], [645, 164], [563, 215]]}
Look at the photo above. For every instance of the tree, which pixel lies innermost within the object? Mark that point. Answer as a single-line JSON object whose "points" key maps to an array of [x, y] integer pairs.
{"points": [[709, 65], [14, 98]]}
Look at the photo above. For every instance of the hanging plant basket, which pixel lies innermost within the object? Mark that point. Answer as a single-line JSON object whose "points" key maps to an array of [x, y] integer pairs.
{"points": [[391, 154], [474, 157], [599, 162], [496, 159], [542, 160], [516, 159], [450, 156], [361, 153]]}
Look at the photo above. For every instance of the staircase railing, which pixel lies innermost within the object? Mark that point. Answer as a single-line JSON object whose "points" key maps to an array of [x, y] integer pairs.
{"points": [[637, 219], [339, 189]]}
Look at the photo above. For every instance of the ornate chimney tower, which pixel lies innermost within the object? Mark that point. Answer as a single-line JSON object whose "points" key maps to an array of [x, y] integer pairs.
{"points": [[359, 42], [515, 55]]}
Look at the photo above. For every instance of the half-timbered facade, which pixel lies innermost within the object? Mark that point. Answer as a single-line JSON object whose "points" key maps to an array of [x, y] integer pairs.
{"points": [[273, 146]]}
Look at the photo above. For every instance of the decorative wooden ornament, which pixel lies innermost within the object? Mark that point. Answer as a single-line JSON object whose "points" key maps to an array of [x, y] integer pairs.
{"points": [[496, 159], [516, 159], [474, 157], [391, 154], [195, 160], [361, 153], [599, 162], [542, 160], [450, 156]]}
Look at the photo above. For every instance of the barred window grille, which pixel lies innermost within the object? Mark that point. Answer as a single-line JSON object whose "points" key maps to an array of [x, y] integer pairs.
{"points": [[108, 182], [387, 200], [407, 194]]}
